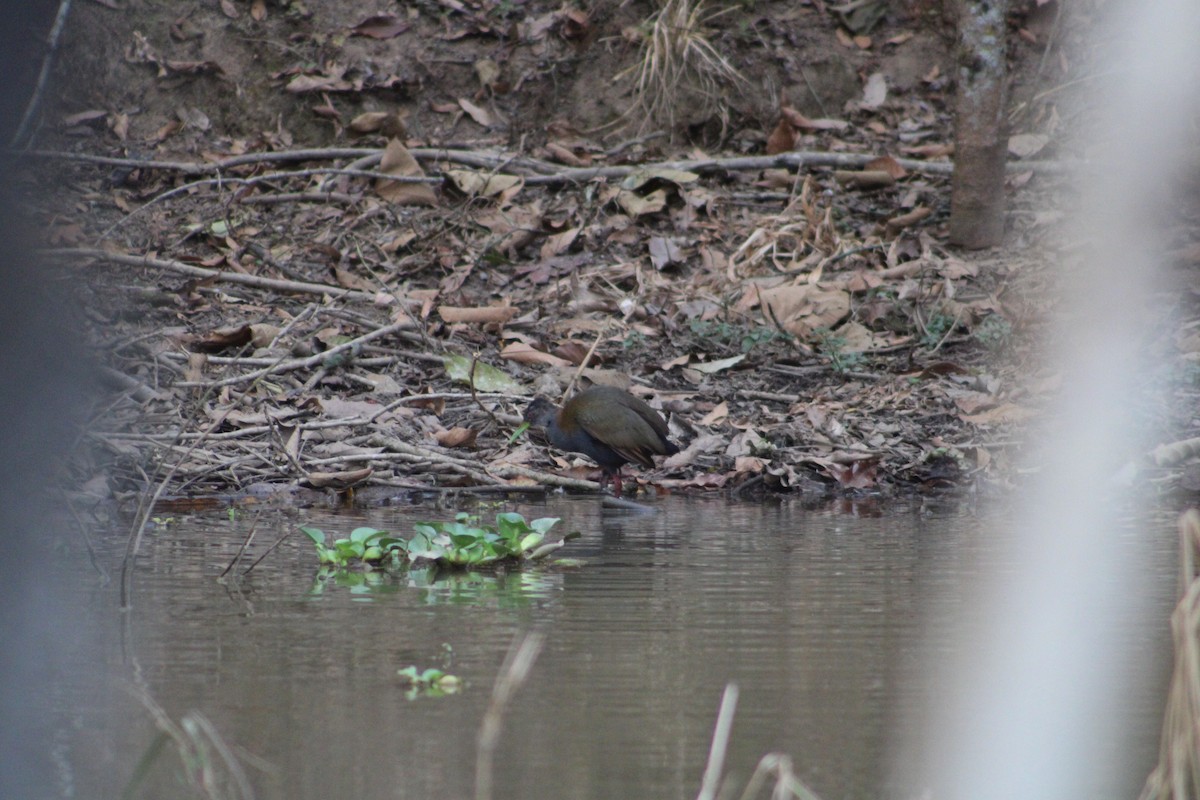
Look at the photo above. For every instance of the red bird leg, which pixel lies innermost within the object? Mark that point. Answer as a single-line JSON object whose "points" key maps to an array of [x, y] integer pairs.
{"points": [[616, 478]]}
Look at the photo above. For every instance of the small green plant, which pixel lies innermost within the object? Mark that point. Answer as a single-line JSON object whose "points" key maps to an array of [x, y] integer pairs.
{"points": [[936, 329], [431, 682], [994, 332], [833, 347], [463, 543], [729, 334]]}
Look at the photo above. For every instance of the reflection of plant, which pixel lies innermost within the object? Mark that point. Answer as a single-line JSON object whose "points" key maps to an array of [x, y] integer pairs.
{"points": [[462, 543], [431, 682]]}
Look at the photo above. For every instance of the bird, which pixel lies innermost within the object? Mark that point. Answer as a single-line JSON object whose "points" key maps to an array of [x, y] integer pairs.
{"points": [[608, 425]]}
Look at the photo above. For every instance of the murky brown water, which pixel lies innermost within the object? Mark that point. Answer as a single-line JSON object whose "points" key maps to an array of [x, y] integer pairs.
{"points": [[823, 618]]}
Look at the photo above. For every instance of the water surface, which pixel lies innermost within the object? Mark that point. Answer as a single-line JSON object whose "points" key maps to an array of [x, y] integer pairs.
{"points": [[826, 619]]}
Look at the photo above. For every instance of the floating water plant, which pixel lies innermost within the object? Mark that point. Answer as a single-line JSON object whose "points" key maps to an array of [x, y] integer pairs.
{"points": [[462, 544], [431, 682]]}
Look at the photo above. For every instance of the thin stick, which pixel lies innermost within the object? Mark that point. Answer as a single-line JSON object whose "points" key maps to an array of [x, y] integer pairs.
{"points": [[178, 267], [267, 552], [245, 543], [720, 741], [517, 663], [586, 359], [35, 99]]}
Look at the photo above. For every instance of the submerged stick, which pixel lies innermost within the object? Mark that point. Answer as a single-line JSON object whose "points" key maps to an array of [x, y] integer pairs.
{"points": [[521, 655], [720, 742]]}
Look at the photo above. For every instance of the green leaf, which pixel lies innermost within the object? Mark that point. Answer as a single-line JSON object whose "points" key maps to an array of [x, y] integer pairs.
{"points": [[524, 426], [545, 550], [364, 535], [511, 525], [531, 541], [316, 534], [544, 524], [463, 539], [487, 377]]}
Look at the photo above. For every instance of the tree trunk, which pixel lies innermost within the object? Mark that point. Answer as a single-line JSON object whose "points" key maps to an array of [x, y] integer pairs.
{"points": [[980, 140]]}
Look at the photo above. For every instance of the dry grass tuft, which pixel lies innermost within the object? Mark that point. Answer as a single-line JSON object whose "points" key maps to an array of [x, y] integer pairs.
{"points": [[680, 72]]}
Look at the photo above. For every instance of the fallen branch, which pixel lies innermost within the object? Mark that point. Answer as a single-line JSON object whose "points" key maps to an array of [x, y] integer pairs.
{"points": [[178, 267], [548, 173]]}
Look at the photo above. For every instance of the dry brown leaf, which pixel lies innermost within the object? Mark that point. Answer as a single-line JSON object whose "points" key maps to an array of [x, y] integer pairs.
{"points": [[559, 242], [635, 205], [576, 24], [936, 150], [457, 437], [1003, 414], [859, 474], [381, 26], [887, 164], [477, 314], [876, 91], [399, 162], [262, 334], [664, 251], [525, 354], [480, 115], [565, 155], [348, 280], [802, 309], [319, 83], [488, 72], [718, 414], [338, 480], [477, 184], [1024, 145], [856, 338], [749, 464], [371, 122], [782, 139], [221, 339]]}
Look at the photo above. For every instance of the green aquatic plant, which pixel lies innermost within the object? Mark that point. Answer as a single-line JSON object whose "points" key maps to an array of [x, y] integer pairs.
{"points": [[462, 544], [431, 682]]}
